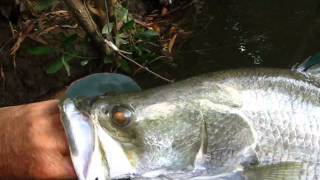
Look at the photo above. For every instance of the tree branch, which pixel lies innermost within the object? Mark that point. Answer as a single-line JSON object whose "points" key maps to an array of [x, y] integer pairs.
{"points": [[80, 11]]}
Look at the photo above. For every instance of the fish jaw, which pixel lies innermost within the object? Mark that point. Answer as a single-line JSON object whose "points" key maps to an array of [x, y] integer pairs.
{"points": [[85, 151]]}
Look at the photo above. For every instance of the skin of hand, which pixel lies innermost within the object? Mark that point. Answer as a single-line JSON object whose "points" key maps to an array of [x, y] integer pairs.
{"points": [[33, 144]]}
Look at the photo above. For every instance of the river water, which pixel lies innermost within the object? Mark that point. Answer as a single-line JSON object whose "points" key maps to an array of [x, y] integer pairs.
{"points": [[249, 33]]}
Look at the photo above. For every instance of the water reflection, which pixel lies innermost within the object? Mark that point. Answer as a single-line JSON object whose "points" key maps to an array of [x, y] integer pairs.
{"points": [[232, 34]]}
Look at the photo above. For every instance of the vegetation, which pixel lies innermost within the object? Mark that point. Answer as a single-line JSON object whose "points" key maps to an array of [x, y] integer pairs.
{"points": [[128, 44]]}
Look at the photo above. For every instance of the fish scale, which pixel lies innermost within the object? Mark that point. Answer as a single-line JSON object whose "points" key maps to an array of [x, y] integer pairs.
{"points": [[295, 113]]}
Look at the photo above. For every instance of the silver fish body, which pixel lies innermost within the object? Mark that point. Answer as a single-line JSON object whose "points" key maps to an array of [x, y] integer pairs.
{"points": [[214, 126]]}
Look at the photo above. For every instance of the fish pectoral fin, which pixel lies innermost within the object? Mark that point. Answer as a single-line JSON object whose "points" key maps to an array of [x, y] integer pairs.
{"points": [[201, 157], [283, 171]]}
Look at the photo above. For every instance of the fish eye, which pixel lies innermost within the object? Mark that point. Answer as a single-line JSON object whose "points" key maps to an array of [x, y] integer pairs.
{"points": [[121, 115]]}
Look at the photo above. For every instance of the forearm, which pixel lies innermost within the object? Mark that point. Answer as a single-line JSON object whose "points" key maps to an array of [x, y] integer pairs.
{"points": [[14, 125], [7, 115]]}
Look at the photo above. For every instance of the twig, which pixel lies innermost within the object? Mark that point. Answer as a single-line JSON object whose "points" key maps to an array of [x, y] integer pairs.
{"points": [[116, 49], [84, 18], [145, 68], [13, 55], [158, 58], [143, 24], [80, 57]]}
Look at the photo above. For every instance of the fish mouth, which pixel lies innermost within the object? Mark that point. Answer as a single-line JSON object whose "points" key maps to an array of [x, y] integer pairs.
{"points": [[94, 153], [80, 137]]}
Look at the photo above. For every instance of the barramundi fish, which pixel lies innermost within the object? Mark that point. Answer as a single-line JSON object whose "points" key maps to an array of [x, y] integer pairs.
{"points": [[235, 124]]}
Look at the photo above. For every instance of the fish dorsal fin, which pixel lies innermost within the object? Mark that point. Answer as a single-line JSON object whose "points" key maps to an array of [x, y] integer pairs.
{"points": [[310, 66], [283, 171]]}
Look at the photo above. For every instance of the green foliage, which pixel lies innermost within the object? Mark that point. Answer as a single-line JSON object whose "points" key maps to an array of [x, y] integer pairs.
{"points": [[45, 4], [59, 64], [124, 32], [147, 35], [65, 59], [124, 65], [84, 62], [132, 38], [107, 29], [128, 26], [121, 13], [66, 51]]}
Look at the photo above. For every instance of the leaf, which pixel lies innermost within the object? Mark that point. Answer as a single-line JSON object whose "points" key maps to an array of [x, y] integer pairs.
{"points": [[124, 65], [68, 42], [128, 26], [138, 50], [66, 64], [84, 62], [120, 40], [45, 4], [41, 50], [121, 13], [58, 65], [107, 28], [55, 67], [148, 35], [146, 57]]}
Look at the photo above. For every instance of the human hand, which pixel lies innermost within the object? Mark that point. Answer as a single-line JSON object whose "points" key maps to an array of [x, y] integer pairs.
{"points": [[33, 143]]}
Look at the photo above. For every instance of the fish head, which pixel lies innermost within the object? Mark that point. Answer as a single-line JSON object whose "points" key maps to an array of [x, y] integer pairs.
{"points": [[142, 134], [146, 138]]}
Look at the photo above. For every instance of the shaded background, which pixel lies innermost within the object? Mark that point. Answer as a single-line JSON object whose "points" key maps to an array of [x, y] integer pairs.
{"points": [[249, 33]]}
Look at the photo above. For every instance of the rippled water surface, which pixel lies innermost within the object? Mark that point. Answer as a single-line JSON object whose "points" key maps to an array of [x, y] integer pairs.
{"points": [[248, 33]]}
